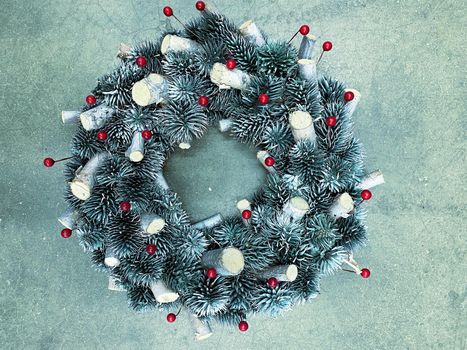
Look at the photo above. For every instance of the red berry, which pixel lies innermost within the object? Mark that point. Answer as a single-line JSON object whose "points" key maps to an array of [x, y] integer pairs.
{"points": [[211, 272], [366, 195], [66, 233], [171, 317], [200, 5], [246, 214], [203, 101], [90, 100], [141, 61], [269, 161], [304, 29], [263, 99], [151, 249], [168, 11], [125, 206], [327, 46], [272, 282], [365, 273], [331, 120], [243, 326], [230, 64], [48, 162], [146, 134], [101, 135], [348, 96]]}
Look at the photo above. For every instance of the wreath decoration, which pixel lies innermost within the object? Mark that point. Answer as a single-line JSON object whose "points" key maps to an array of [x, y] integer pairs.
{"points": [[304, 223]]}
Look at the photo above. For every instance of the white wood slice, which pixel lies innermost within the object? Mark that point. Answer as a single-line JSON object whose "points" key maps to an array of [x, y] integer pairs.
{"points": [[111, 259], [151, 223], [307, 70], [173, 43], [373, 179], [96, 117], [283, 273], [251, 33], [124, 50], [306, 47], [201, 329], [82, 184], [296, 208], [352, 105], [136, 150], [68, 218], [226, 261], [70, 117], [184, 145], [302, 127], [162, 293], [342, 206], [228, 78], [149, 90]]}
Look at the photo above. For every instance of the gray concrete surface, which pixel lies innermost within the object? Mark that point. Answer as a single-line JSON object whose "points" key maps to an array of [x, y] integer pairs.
{"points": [[408, 60]]}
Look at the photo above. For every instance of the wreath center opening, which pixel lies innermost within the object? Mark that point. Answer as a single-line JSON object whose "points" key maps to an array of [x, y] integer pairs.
{"points": [[213, 175]]}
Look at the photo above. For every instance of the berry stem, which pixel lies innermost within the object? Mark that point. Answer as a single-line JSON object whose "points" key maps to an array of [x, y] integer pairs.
{"points": [[320, 57], [180, 309], [184, 26], [61, 160], [293, 36]]}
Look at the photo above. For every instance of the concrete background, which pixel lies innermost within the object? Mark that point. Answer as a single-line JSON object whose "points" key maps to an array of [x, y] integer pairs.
{"points": [[408, 60]]}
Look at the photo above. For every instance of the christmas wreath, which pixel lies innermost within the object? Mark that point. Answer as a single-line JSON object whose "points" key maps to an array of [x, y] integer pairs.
{"points": [[304, 223]]}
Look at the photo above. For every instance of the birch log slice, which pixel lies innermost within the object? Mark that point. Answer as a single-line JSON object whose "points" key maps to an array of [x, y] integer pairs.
{"points": [[251, 33], [307, 70], [96, 117], [162, 293], [243, 204], [68, 218], [371, 180], [226, 261], [184, 145], [302, 126], [82, 184], [70, 117], [111, 259], [284, 273], [123, 51], [151, 224], [136, 150], [149, 90], [201, 328], [352, 105], [306, 47], [173, 43], [228, 78], [296, 208], [342, 206]]}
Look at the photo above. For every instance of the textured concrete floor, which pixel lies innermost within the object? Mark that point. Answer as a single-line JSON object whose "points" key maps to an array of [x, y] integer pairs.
{"points": [[408, 60]]}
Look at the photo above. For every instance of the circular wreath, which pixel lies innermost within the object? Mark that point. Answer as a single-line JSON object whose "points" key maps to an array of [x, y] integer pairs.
{"points": [[305, 222]]}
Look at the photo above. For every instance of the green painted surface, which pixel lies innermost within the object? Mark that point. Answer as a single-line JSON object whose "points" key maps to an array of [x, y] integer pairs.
{"points": [[408, 60]]}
